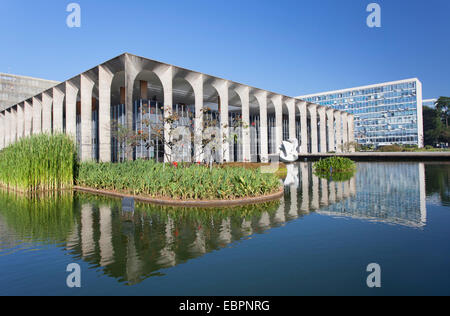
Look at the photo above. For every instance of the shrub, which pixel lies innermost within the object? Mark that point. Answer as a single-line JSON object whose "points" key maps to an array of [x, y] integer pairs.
{"points": [[39, 163], [337, 164], [390, 148], [184, 182]]}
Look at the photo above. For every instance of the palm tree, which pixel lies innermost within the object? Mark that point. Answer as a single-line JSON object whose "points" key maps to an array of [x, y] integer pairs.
{"points": [[443, 107]]}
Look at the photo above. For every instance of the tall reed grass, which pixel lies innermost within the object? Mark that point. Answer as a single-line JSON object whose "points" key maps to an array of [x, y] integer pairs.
{"points": [[185, 182], [39, 163]]}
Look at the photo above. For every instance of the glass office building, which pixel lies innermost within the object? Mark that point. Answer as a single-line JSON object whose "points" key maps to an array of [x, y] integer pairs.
{"points": [[386, 113]]}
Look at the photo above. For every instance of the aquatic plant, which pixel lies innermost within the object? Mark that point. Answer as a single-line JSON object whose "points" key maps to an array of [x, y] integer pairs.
{"points": [[335, 164], [38, 163], [194, 182], [45, 217]]}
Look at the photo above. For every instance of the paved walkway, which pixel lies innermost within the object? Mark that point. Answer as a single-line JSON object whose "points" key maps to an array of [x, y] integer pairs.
{"points": [[381, 155]]}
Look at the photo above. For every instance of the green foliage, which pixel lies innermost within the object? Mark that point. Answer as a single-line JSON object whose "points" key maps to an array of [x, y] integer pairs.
{"points": [[46, 218], [338, 164], [185, 182], [338, 168], [390, 148], [39, 163], [443, 108]]}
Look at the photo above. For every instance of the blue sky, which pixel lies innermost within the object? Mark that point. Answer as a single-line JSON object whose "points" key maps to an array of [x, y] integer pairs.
{"points": [[290, 47]]}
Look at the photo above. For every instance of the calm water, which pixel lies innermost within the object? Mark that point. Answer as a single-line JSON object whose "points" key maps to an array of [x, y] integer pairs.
{"points": [[318, 240]]}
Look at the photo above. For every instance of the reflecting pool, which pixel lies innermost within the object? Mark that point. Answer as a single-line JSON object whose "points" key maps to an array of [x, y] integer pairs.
{"points": [[318, 239]]}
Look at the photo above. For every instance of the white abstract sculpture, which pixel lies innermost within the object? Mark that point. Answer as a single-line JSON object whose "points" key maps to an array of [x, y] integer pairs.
{"points": [[288, 150]]}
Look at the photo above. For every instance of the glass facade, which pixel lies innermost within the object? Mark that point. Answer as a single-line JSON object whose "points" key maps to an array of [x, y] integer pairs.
{"points": [[385, 114]]}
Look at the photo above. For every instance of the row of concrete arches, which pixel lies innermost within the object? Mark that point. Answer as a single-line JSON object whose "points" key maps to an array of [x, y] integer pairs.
{"points": [[84, 106]]}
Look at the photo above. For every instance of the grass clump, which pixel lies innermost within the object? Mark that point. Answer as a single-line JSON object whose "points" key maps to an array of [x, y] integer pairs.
{"points": [[339, 168], [39, 163], [334, 164], [194, 182]]}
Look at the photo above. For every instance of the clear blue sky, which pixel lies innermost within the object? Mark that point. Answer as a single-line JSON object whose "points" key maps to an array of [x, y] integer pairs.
{"points": [[291, 47]]}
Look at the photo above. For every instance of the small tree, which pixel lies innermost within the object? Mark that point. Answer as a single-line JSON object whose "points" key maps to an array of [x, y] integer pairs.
{"points": [[170, 133]]}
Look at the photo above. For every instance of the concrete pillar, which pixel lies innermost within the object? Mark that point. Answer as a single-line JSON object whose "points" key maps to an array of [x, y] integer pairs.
{"points": [[261, 96], [2, 130], [323, 129], [131, 71], [105, 77], [338, 128], [86, 86], [105, 241], [351, 132], [222, 87], [344, 131], [58, 100], [324, 191], [312, 108], [20, 121], [315, 192], [304, 127], [71, 109], [46, 113], [166, 78], [293, 211], [332, 195], [291, 109], [37, 116], [87, 231], [278, 104], [244, 94], [197, 82], [346, 189], [28, 118], [305, 186], [339, 192], [7, 119], [330, 125], [13, 126], [353, 186]]}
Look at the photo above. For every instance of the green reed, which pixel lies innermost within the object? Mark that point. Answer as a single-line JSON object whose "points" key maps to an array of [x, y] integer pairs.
{"points": [[39, 163], [184, 182], [45, 217]]}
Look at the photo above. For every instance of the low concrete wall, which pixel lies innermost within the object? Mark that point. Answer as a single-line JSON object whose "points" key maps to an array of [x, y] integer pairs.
{"points": [[384, 155]]}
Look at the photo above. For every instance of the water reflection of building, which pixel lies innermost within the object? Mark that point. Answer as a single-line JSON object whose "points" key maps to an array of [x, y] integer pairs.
{"points": [[388, 192], [133, 246]]}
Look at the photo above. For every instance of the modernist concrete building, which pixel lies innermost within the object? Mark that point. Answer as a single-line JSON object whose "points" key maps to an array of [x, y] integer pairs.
{"points": [[385, 113], [138, 93], [14, 88]]}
